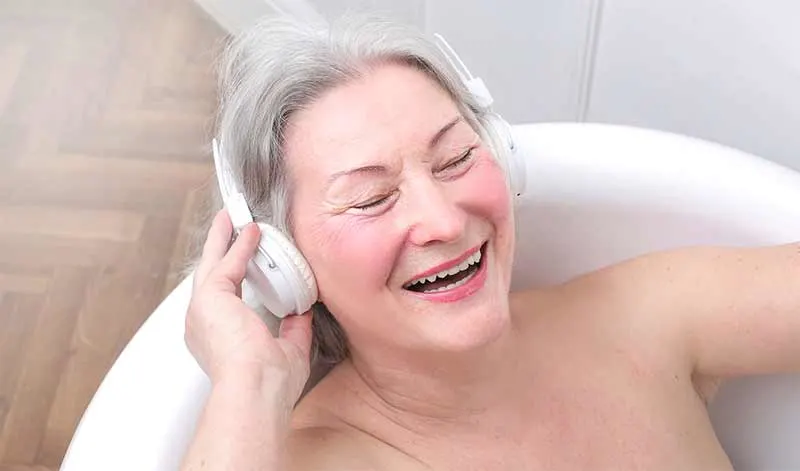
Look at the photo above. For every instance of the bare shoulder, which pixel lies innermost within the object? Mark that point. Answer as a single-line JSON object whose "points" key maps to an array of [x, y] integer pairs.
{"points": [[329, 449], [697, 310], [617, 289], [686, 279], [625, 304], [637, 281]]}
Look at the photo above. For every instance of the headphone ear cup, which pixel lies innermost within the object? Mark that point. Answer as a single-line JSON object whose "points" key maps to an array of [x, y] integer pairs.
{"points": [[512, 160], [297, 275]]}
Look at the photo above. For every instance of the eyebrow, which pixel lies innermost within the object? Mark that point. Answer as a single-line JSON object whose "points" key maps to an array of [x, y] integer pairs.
{"points": [[377, 169], [441, 133]]}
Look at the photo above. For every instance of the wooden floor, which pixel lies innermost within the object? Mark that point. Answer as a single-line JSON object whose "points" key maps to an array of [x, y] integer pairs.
{"points": [[106, 109]]}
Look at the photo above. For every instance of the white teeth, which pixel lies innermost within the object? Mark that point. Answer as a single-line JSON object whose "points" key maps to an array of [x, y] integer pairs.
{"points": [[471, 260], [452, 285]]}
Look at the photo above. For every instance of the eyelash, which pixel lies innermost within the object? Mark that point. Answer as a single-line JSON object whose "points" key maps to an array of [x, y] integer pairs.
{"points": [[373, 203], [461, 160]]}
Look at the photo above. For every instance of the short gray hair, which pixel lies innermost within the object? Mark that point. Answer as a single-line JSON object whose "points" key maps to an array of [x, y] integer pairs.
{"points": [[281, 65]]}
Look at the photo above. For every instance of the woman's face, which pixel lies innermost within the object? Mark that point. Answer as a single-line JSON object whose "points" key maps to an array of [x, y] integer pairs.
{"points": [[392, 186]]}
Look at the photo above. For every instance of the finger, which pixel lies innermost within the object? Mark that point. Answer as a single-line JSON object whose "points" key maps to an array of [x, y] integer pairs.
{"points": [[216, 244], [234, 264], [297, 331]]}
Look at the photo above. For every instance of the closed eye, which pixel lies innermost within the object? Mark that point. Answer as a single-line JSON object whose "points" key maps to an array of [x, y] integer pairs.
{"points": [[375, 203], [460, 161]]}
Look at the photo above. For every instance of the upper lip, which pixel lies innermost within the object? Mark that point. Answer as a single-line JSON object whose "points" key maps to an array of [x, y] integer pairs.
{"points": [[444, 266]]}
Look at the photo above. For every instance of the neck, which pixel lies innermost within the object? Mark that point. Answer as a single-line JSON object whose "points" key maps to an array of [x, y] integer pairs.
{"points": [[450, 387]]}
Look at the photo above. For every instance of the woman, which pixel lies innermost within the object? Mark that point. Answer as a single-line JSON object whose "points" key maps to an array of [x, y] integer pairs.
{"points": [[361, 144]]}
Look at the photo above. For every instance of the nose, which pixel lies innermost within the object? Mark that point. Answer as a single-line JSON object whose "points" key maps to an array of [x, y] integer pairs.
{"points": [[433, 214]]}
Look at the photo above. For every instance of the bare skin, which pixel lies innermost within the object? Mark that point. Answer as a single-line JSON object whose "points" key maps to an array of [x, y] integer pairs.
{"points": [[604, 375], [610, 371]]}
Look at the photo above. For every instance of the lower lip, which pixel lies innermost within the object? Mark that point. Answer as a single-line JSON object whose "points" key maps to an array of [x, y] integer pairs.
{"points": [[467, 289]]}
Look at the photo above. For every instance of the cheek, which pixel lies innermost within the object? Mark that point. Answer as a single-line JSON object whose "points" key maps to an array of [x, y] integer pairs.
{"points": [[486, 191], [351, 258]]}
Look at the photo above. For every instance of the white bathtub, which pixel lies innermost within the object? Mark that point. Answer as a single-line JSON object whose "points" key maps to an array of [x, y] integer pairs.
{"points": [[596, 194]]}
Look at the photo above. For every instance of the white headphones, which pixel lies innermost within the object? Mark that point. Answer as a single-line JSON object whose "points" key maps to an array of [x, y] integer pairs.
{"points": [[515, 164], [278, 274]]}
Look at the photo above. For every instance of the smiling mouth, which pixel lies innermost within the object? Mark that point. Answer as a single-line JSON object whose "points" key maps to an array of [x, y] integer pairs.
{"points": [[451, 278]]}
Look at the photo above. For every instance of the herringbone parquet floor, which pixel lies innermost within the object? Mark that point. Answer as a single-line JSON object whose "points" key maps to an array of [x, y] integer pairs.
{"points": [[106, 108]]}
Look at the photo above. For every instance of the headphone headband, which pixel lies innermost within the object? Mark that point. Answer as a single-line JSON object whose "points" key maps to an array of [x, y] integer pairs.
{"points": [[501, 128], [475, 85], [232, 197]]}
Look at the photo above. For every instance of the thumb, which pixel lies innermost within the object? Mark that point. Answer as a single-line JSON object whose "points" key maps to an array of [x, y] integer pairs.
{"points": [[296, 330]]}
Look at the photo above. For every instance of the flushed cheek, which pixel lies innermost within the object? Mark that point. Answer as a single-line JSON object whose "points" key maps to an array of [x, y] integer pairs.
{"points": [[486, 191], [493, 204], [354, 255]]}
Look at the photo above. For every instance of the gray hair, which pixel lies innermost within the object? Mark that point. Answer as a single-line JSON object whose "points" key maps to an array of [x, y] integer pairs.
{"points": [[280, 66]]}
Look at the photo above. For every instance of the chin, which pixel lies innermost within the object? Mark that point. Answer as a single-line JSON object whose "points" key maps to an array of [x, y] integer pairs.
{"points": [[472, 330], [473, 317]]}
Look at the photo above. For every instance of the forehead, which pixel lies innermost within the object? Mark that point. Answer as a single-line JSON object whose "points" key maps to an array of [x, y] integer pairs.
{"points": [[392, 109]]}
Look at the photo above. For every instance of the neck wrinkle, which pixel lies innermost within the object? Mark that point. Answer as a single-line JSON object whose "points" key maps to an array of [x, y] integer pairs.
{"points": [[425, 391]]}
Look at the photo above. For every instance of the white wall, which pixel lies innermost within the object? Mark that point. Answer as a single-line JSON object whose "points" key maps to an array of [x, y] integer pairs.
{"points": [[723, 70], [233, 15], [531, 54], [409, 11]]}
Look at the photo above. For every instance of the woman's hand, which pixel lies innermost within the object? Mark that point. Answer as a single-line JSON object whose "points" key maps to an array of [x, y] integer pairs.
{"points": [[229, 339]]}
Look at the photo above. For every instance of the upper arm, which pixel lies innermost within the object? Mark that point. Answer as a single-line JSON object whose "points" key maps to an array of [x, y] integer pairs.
{"points": [[737, 309]]}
